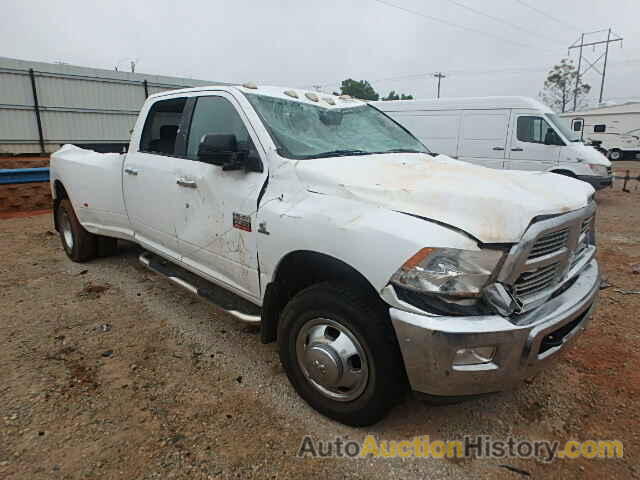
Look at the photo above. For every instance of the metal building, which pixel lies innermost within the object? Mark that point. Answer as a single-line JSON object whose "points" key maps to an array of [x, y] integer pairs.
{"points": [[44, 105]]}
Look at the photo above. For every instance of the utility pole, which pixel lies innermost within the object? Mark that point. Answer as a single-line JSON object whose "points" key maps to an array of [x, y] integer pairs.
{"points": [[592, 65], [604, 68], [439, 76], [575, 91]]}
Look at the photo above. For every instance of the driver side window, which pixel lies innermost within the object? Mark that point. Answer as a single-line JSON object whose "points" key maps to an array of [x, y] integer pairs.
{"points": [[534, 130], [218, 116]]}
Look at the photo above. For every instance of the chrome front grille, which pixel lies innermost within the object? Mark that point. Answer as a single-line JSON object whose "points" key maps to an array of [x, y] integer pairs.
{"points": [[552, 250], [549, 243], [587, 224], [533, 282], [583, 241]]}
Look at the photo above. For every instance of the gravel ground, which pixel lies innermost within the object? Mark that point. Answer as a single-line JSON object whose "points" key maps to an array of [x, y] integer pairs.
{"points": [[112, 372]]}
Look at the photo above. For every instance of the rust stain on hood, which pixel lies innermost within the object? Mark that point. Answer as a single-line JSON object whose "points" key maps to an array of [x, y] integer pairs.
{"points": [[495, 206]]}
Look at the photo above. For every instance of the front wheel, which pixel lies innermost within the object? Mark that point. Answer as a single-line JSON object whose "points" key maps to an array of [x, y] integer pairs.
{"points": [[341, 355]]}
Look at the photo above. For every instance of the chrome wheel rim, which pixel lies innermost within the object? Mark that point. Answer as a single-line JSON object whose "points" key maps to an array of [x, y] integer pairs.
{"points": [[332, 359], [65, 228]]}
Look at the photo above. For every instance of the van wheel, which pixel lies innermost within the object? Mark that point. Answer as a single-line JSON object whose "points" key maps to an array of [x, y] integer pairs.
{"points": [[79, 244], [615, 154], [341, 355], [566, 173]]}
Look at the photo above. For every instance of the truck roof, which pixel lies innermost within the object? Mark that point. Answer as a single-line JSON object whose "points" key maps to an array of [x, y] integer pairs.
{"points": [[310, 97], [462, 103]]}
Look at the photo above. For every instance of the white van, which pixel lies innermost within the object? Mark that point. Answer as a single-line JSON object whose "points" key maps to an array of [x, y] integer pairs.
{"points": [[512, 133]]}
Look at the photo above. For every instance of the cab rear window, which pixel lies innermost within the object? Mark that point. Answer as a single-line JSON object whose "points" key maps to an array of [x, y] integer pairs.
{"points": [[161, 126]]}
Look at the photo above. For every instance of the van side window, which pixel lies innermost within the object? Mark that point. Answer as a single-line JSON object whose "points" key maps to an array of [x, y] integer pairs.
{"points": [[161, 126], [533, 129], [599, 128], [218, 116]]}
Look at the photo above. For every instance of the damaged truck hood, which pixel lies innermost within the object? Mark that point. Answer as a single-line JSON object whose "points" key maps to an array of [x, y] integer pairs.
{"points": [[494, 206]]}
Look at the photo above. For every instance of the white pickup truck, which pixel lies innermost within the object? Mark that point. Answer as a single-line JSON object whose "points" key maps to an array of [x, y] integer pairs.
{"points": [[376, 266]]}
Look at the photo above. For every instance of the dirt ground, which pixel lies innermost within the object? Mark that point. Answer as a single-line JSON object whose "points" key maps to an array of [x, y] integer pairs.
{"points": [[24, 196], [110, 372], [24, 162]]}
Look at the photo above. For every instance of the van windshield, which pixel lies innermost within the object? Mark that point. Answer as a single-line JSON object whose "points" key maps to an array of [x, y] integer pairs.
{"points": [[563, 125], [302, 131]]}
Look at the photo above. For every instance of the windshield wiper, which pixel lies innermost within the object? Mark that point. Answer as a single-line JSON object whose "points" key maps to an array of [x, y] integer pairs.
{"points": [[338, 153], [402, 150]]}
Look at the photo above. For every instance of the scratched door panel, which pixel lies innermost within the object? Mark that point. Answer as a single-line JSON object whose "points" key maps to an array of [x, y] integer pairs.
{"points": [[209, 240]]}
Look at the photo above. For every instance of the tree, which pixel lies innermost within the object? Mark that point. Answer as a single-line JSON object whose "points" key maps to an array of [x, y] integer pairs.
{"points": [[394, 96], [560, 87], [358, 89]]}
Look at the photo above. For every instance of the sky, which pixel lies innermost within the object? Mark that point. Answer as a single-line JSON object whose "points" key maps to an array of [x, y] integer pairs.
{"points": [[484, 47]]}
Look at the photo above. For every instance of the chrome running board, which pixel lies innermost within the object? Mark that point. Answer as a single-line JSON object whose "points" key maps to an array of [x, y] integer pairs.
{"points": [[234, 305]]}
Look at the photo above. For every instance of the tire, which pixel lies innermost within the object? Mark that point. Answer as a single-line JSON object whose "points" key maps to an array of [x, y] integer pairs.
{"points": [[79, 244], [615, 155], [337, 313]]}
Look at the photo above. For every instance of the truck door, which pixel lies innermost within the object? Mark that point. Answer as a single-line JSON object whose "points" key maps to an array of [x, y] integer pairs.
{"points": [[534, 144], [483, 138], [217, 224], [149, 178]]}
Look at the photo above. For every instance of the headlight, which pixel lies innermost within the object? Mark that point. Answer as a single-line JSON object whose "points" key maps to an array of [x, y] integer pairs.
{"points": [[448, 271], [599, 170]]}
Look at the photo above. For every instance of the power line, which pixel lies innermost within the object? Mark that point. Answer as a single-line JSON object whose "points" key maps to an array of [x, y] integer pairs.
{"points": [[464, 72], [455, 25], [502, 20], [545, 14]]}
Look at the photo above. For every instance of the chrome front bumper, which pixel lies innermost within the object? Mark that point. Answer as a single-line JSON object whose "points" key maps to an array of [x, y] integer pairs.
{"points": [[597, 183], [429, 343]]}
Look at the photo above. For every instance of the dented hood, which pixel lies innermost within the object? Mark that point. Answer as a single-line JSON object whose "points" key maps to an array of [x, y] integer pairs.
{"points": [[495, 206]]}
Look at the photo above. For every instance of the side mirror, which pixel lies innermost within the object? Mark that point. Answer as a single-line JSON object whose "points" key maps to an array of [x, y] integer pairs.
{"points": [[218, 149], [223, 150]]}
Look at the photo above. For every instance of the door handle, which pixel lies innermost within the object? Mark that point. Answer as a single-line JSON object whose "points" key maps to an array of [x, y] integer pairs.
{"points": [[517, 149], [498, 148], [131, 171], [183, 182]]}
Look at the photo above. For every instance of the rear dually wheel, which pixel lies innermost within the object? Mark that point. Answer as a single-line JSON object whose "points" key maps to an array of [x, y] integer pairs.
{"points": [[79, 244]]}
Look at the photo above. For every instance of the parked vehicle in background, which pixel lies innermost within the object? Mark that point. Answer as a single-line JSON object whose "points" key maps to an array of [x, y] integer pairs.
{"points": [[509, 133], [617, 127], [375, 266]]}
